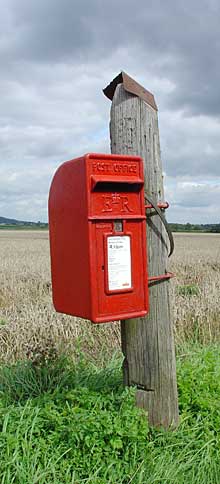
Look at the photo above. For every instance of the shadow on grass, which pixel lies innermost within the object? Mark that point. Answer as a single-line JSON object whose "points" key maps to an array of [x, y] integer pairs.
{"points": [[25, 379]]}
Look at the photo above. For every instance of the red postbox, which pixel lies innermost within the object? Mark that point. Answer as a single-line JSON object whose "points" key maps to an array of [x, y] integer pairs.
{"points": [[97, 226]]}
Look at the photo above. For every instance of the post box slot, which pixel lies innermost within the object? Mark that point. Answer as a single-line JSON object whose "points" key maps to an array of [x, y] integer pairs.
{"points": [[116, 186]]}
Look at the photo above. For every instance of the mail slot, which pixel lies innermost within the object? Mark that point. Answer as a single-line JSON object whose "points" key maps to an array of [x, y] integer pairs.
{"points": [[97, 227]]}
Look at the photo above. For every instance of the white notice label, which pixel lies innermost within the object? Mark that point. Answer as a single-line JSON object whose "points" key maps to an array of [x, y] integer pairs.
{"points": [[119, 262]]}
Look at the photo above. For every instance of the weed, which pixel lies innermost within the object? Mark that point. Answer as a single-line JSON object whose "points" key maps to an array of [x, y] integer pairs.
{"points": [[83, 426], [188, 290]]}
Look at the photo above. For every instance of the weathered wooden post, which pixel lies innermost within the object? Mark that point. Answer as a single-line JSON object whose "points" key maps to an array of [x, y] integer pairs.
{"points": [[147, 343]]}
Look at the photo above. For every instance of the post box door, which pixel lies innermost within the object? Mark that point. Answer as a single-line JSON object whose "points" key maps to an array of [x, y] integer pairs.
{"points": [[120, 271]]}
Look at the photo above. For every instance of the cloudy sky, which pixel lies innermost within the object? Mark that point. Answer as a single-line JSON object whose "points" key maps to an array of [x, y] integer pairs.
{"points": [[57, 56]]}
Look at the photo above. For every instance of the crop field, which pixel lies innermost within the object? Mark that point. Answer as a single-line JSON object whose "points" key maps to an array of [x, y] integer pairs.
{"points": [[65, 416], [30, 327]]}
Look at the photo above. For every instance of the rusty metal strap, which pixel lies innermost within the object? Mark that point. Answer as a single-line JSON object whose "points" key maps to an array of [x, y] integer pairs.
{"points": [[166, 225], [161, 277]]}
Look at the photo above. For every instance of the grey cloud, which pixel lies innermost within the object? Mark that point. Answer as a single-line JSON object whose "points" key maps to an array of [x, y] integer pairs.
{"points": [[191, 200], [205, 215], [57, 56], [177, 41], [198, 195], [190, 145], [24, 185]]}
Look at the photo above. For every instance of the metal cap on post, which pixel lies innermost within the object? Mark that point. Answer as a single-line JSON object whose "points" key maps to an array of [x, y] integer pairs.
{"points": [[131, 86]]}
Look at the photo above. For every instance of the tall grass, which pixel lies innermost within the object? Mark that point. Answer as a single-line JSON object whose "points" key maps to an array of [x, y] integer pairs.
{"points": [[75, 423]]}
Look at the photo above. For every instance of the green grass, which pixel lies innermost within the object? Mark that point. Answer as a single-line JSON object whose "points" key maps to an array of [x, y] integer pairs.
{"points": [[75, 423], [188, 290]]}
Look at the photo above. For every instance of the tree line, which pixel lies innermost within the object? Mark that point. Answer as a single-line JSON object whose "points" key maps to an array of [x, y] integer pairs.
{"points": [[211, 228]]}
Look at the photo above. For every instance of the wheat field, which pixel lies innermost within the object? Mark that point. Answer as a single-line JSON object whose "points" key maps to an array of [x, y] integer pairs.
{"points": [[30, 327]]}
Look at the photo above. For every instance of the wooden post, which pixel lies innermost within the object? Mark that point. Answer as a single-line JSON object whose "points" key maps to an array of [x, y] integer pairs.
{"points": [[148, 343]]}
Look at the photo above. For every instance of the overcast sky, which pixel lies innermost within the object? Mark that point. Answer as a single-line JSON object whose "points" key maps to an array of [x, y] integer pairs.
{"points": [[57, 56]]}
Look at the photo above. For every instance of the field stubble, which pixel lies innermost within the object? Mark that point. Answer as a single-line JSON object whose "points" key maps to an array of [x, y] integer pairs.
{"points": [[30, 327]]}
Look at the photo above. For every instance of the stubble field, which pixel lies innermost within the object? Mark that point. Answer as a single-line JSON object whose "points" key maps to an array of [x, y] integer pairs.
{"points": [[30, 327]]}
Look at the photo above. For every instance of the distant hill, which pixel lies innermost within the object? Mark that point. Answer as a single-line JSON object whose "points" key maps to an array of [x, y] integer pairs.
{"points": [[12, 221], [4, 221]]}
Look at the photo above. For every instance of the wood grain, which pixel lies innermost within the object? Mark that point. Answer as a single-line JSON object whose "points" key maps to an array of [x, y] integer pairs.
{"points": [[148, 343]]}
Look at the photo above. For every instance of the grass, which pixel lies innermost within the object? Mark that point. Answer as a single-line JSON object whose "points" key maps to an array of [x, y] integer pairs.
{"points": [[188, 290], [75, 423]]}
